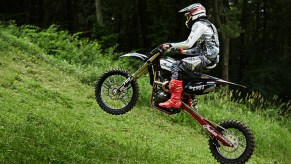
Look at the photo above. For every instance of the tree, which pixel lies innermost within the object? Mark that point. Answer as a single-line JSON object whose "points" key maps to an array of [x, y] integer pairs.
{"points": [[99, 16], [225, 15]]}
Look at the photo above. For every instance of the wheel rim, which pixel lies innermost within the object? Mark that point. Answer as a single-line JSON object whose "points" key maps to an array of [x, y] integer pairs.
{"points": [[238, 139], [109, 95]]}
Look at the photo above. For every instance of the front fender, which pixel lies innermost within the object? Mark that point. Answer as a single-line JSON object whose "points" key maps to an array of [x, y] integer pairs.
{"points": [[139, 56]]}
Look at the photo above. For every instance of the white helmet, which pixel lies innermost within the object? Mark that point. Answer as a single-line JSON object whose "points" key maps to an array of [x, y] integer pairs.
{"points": [[193, 12]]}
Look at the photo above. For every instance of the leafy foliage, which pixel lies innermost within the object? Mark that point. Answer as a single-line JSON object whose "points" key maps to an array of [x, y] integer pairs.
{"points": [[61, 44]]}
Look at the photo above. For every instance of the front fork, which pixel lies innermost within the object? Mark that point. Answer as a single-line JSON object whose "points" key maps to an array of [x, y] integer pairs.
{"points": [[141, 71], [208, 126]]}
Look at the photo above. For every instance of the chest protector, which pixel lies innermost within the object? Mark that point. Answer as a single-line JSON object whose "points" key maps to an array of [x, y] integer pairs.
{"points": [[209, 43]]}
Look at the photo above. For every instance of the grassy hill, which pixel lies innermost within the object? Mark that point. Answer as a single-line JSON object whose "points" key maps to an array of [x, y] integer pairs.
{"points": [[48, 114]]}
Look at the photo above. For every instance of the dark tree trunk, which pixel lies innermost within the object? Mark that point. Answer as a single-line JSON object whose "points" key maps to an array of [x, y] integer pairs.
{"points": [[225, 53], [225, 42], [99, 12], [143, 21]]}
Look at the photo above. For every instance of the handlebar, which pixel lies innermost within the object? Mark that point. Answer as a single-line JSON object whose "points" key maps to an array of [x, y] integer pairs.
{"points": [[155, 50], [159, 49]]}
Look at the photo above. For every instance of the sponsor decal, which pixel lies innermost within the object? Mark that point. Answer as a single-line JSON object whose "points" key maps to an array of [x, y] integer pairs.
{"points": [[197, 87]]}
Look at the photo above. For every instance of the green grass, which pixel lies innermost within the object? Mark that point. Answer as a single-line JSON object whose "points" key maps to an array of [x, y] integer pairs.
{"points": [[49, 115]]}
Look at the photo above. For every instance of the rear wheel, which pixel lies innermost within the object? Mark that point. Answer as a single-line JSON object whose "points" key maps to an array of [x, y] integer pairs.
{"points": [[109, 98], [242, 139]]}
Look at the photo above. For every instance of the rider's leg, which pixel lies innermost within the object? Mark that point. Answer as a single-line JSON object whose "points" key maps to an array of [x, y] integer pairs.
{"points": [[194, 64], [190, 64], [176, 88]]}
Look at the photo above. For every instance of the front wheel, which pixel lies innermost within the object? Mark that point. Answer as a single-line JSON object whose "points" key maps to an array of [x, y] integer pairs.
{"points": [[242, 139], [109, 98]]}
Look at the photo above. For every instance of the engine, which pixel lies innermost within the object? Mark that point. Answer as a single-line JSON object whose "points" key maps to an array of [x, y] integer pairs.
{"points": [[161, 96]]}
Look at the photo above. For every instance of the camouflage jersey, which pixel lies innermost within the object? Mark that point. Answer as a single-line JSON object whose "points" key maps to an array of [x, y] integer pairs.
{"points": [[205, 35]]}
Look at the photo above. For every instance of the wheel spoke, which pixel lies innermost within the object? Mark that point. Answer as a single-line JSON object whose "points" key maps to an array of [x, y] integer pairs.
{"points": [[111, 99], [239, 142], [107, 84]]}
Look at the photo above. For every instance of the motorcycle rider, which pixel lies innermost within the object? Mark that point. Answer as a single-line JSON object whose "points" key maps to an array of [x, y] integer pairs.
{"points": [[204, 53]]}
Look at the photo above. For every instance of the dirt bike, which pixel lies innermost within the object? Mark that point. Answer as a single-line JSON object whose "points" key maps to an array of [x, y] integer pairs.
{"points": [[117, 91]]}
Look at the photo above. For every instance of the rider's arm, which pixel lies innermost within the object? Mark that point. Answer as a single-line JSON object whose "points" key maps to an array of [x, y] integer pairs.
{"points": [[197, 31], [192, 52]]}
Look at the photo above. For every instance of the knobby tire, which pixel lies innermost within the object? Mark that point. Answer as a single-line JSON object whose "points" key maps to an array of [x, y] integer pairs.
{"points": [[250, 143], [104, 106]]}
